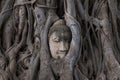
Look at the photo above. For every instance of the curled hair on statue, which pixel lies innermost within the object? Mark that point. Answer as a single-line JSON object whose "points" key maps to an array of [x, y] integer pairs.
{"points": [[59, 27]]}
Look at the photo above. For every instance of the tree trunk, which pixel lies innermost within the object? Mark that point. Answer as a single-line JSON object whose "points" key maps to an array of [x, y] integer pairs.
{"points": [[33, 46]]}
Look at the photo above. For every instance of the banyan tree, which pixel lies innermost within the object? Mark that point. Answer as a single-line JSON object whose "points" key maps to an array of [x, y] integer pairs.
{"points": [[59, 40]]}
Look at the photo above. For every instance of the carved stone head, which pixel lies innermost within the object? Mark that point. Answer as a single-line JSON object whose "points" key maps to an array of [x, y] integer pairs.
{"points": [[59, 39]]}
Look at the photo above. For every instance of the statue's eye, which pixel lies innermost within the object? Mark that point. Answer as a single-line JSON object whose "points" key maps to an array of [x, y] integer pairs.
{"points": [[56, 40], [67, 40]]}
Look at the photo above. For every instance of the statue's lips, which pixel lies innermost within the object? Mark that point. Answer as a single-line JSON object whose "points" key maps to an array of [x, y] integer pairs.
{"points": [[61, 52]]}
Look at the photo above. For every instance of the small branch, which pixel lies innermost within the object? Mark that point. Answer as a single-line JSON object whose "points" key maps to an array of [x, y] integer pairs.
{"points": [[24, 3]]}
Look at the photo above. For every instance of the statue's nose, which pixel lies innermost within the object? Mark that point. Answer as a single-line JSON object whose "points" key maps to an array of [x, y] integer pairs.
{"points": [[62, 47]]}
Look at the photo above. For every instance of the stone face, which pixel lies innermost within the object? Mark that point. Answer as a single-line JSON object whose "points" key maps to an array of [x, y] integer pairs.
{"points": [[58, 48]]}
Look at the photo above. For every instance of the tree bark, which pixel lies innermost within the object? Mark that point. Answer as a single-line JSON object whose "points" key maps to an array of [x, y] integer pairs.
{"points": [[94, 49]]}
